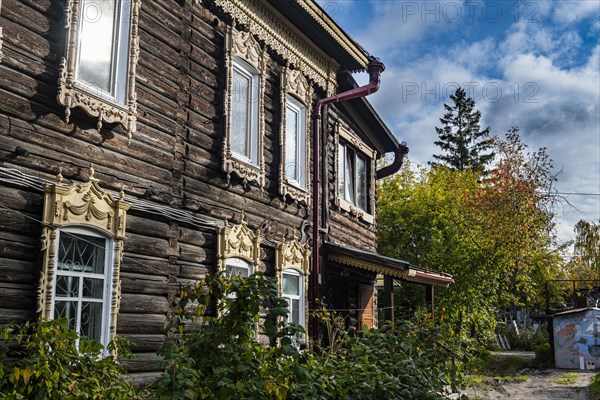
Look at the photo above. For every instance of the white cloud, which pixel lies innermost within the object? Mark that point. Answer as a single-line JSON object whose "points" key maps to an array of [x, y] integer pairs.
{"points": [[572, 11]]}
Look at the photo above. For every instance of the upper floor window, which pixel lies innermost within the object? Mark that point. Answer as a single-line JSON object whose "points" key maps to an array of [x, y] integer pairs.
{"points": [[82, 289], [244, 112], [295, 142], [355, 180], [98, 70], [296, 96], [352, 176], [244, 109]]}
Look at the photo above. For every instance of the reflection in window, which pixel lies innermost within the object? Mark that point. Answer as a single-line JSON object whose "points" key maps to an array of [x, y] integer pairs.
{"points": [[244, 112], [82, 283], [352, 177], [293, 291], [102, 51], [295, 142]]}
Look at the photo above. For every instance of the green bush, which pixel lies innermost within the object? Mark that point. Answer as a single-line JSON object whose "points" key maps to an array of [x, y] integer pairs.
{"points": [[544, 357], [595, 387], [222, 359], [47, 360], [527, 339]]}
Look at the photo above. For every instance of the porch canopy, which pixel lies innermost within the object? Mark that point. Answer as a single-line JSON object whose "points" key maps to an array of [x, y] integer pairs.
{"points": [[390, 269], [386, 266]]}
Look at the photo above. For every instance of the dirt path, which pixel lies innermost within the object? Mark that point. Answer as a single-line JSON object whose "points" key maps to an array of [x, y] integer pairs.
{"points": [[539, 386]]}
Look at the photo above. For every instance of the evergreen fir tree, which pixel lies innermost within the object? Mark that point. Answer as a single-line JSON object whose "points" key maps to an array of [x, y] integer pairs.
{"points": [[460, 137]]}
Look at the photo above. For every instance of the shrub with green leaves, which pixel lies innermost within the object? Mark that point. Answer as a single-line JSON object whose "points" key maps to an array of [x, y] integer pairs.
{"points": [[217, 355], [47, 360]]}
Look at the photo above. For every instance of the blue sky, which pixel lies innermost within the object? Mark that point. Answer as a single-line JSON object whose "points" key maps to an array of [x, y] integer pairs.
{"points": [[534, 64]]}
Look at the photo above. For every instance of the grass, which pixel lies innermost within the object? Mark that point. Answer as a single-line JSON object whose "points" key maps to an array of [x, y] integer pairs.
{"points": [[566, 379]]}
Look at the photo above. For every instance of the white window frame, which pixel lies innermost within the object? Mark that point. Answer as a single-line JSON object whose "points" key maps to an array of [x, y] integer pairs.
{"points": [[107, 276], [117, 105], [235, 262], [298, 164], [245, 55], [300, 297], [252, 127], [345, 139], [296, 97], [344, 180]]}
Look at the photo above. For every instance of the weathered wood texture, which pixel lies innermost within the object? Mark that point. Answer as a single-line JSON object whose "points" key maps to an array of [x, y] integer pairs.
{"points": [[174, 160]]}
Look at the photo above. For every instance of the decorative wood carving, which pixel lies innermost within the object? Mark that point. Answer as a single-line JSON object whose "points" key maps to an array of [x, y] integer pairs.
{"points": [[358, 144], [284, 39], [73, 94], [293, 255], [81, 204], [294, 83], [243, 45], [238, 241]]}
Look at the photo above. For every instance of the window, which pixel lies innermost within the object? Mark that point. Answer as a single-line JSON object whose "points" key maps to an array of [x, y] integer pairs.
{"points": [[98, 70], [352, 177], [82, 289], [295, 142], [293, 292], [244, 112], [238, 267], [244, 109], [296, 96], [83, 237]]}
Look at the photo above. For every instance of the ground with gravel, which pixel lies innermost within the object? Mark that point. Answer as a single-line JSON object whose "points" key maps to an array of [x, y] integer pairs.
{"points": [[552, 384]]}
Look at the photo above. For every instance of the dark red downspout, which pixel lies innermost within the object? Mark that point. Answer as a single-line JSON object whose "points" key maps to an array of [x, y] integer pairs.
{"points": [[375, 68], [395, 166]]}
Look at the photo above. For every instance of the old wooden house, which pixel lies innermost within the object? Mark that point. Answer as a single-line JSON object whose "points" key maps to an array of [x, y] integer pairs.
{"points": [[146, 143]]}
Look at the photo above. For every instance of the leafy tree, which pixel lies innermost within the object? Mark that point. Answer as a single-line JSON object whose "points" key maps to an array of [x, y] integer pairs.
{"points": [[460, 138], [494, 235], [587, 244]]}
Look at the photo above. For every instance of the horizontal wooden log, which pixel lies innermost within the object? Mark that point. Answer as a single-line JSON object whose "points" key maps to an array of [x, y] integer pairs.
{"points": [[143, 362], [144, 284], [18, 296], [18, 271], [142, 343], [143, 304], [140, 244], [138, 323], [8, 315], [142, 379], [140, 264]]}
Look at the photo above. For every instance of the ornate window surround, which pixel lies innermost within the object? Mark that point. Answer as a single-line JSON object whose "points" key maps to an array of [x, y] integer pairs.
{"points": [[295, 84], [243, 46], [73, 94], [88, 206], [359, 145], [237, 241], [286, 40], [295, 256]]}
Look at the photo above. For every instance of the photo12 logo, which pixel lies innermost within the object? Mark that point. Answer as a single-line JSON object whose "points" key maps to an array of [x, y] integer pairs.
{"points": [[469, 11], [436, 92]]}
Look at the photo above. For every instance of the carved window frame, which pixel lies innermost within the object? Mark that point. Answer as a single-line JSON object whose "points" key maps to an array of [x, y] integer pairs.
{"points": [[358, 145], [238, 241], [73, 93], [89, 207], [294, 84], [242, 46], [293, 255]]}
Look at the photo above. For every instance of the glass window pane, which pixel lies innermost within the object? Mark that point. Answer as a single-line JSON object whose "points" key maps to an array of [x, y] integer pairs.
{"points": [[93, 288], [67, 286], [91, 320], [241, 96], [68, 310], [241, 272], [97, 41], [291, 143], [81, 253], [296, 311], [291, 284], [349, 187], [361, 182], [341, 171]]}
